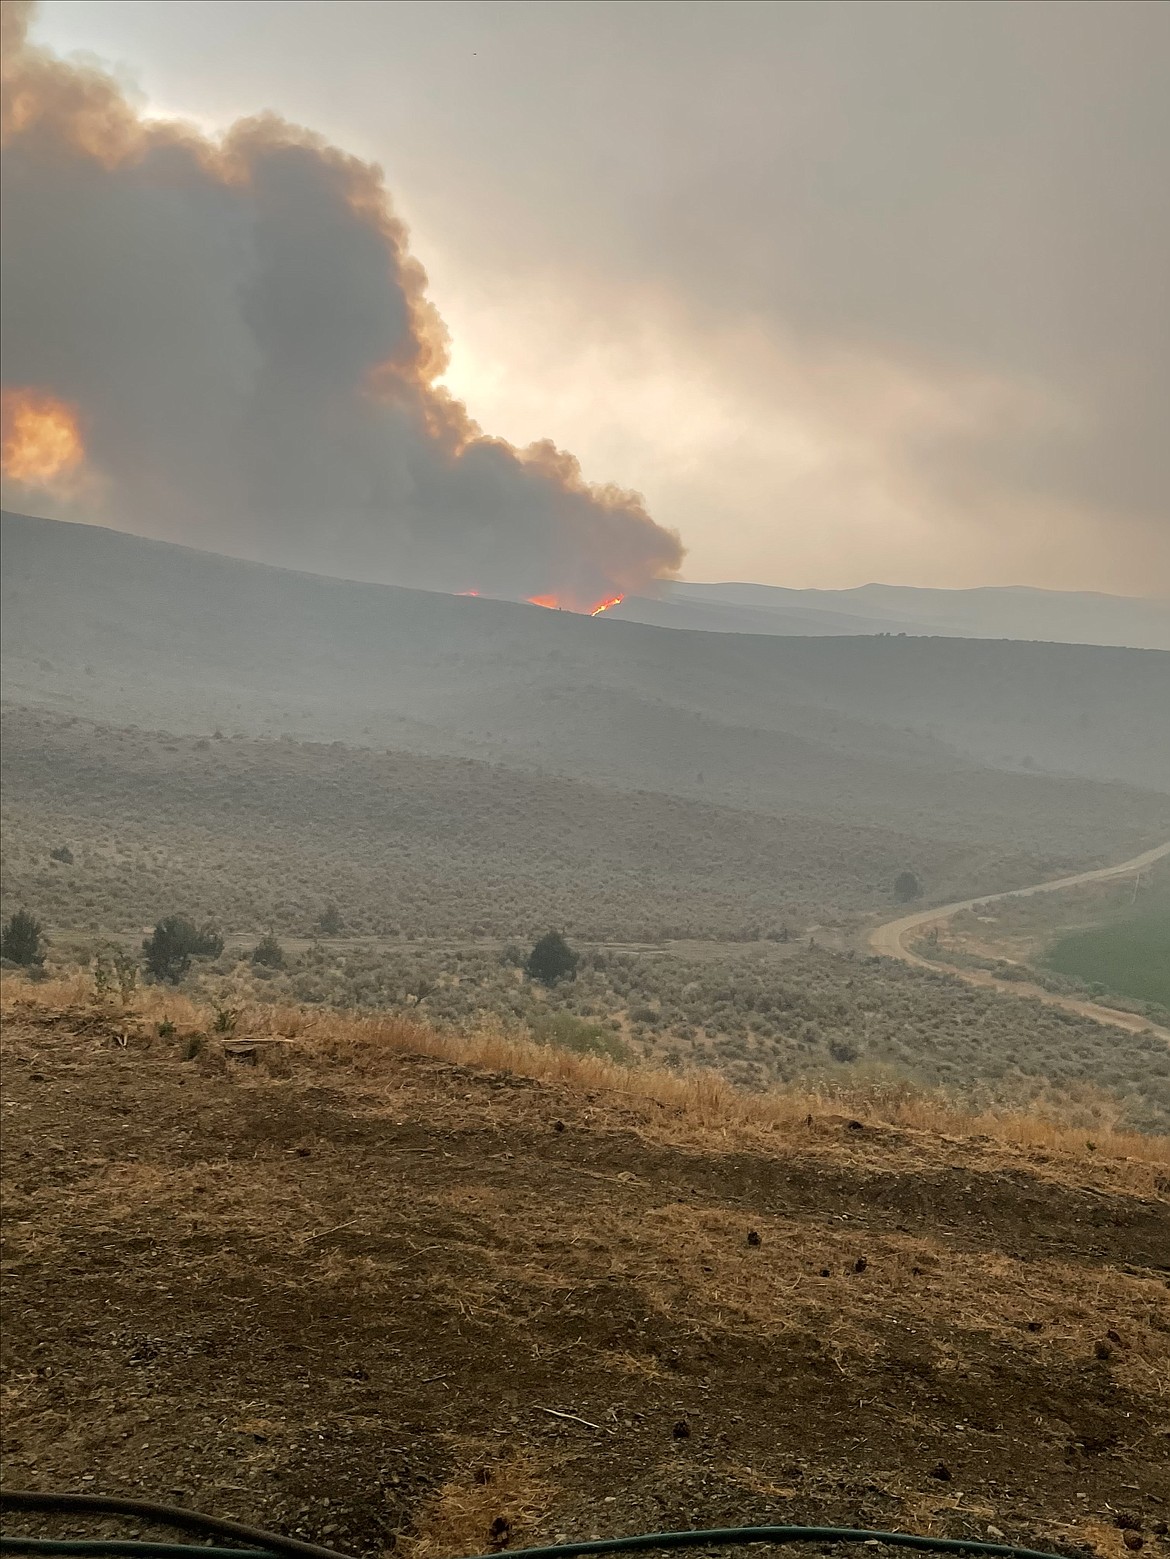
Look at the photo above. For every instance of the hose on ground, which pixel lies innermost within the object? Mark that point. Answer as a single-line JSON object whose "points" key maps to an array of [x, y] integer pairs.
{"points": [[265, 1545], [162, 1515]]}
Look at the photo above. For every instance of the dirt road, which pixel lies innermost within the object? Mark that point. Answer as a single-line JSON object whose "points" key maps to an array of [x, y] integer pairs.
{"points": [[891, 938]]}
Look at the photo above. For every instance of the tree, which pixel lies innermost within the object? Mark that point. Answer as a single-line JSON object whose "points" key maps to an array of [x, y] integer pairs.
{"points": [[268, 952], [907, 887], [551, 959], [20, 940], [329, 920], [174, 942]]}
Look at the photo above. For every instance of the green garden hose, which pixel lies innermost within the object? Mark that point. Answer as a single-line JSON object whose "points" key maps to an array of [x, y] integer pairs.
{"points": [[268, 1545]]}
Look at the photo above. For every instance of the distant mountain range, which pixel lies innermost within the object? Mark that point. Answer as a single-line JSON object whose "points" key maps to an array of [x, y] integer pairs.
{"points": [[1052, 616]]}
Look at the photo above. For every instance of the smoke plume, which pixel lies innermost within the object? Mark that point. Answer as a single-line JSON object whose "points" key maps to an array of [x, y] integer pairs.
{"points": [[227, 342]]}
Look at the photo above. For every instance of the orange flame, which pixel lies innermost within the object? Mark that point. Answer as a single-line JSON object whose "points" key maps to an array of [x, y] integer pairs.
{"points": [[467, 592], [555, 604], [604, 606], [41, 439]]}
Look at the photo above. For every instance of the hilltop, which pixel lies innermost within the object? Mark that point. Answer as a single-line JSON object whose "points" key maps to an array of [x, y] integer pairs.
{"points": [[384, 1287], [962, 740]]}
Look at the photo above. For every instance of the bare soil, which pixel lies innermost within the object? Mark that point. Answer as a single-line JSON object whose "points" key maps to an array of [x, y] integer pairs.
{"points": [[356, 1301]]}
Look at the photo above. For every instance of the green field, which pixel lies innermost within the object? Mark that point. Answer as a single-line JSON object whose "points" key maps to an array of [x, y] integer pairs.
{"points": [[1130, 957]]}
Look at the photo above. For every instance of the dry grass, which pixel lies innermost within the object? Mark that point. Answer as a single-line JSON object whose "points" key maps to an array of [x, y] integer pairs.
{"points": [[699, 1107], [398, 1235], [492, 1500]]}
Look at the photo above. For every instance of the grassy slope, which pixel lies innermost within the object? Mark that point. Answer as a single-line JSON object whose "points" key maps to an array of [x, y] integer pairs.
{"points": [[261, 833], [257, 834], [761, 1016], [335, 1289]]}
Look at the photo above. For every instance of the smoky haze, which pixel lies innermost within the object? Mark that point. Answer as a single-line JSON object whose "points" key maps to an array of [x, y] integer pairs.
{"points": [[246, 347]]}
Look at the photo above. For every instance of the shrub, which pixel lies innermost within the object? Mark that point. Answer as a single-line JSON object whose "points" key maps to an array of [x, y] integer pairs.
{"points": [[63, 854], [569, 1033], [174, 942], [551, 959], [907, 887], [125, 976], [21, 938], [268, 952], [329, 921]]}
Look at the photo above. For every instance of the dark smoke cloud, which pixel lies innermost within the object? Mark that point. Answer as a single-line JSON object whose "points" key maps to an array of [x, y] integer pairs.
{"points": [[930, 240], [250, 347]]}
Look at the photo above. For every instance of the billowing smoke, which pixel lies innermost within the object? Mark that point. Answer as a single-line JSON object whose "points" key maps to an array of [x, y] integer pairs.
{"points": [[228, 343]]}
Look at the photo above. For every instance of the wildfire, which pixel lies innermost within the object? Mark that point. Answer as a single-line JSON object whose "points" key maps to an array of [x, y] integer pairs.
{"points": [[555, 604], [41, 439]]}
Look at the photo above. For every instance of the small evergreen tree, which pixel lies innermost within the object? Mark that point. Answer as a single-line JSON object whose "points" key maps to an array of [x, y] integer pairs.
{"points": [[174, 942], [551, 959], [329, 920], [907, 887], [268, 952], [20, 940]]}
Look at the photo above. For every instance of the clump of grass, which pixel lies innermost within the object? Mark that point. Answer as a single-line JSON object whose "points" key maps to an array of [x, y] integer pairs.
{"points": [[490, 1503]]}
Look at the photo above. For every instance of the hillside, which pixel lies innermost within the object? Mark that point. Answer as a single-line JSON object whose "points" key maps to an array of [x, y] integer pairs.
{"points": [[380, 1288], [262, 833], [898, 733], [1065, 617]]}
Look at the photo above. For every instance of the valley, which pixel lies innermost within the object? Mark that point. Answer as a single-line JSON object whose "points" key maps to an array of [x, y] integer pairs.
{"points": [[405, 789]]}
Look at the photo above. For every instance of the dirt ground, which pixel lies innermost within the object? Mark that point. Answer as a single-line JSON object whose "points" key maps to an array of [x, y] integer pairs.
{"points": [[440, 1308]]}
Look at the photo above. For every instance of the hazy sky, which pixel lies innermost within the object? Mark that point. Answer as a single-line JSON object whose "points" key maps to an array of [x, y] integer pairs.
{"points": [[847, 291]]}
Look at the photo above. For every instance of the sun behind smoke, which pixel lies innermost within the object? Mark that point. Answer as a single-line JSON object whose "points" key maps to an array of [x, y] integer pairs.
{"points": [[42, 443], [240, 328]]}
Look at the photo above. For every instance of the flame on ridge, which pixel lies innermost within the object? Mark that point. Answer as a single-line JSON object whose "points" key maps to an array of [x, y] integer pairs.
{"points": [[40, 438], [555, 604]]}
